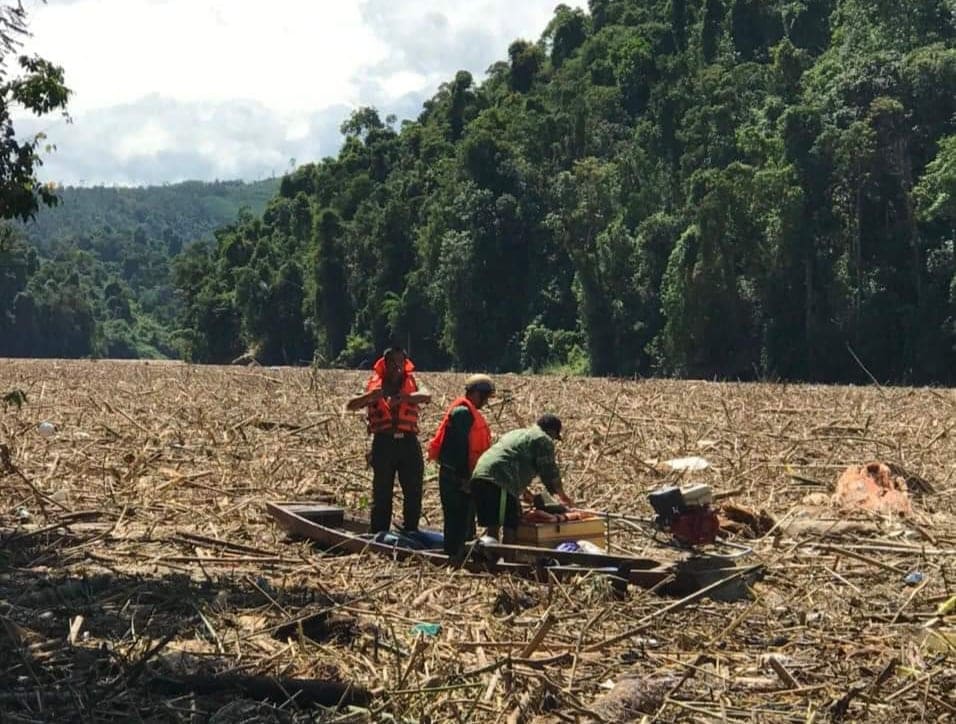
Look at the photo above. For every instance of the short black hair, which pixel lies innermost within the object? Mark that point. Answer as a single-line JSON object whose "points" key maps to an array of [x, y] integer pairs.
{"points": [[550, 424]]}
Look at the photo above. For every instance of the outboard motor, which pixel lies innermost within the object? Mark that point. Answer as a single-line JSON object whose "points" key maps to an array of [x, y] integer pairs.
{"points": [[686, 513]]}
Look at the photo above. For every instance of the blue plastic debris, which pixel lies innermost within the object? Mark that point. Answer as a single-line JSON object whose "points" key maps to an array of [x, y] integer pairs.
{"points": [[427, 629], [913, 577], [569, 546]]}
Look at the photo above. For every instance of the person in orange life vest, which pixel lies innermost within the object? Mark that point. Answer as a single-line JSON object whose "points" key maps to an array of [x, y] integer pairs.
{"points": [[391, 399], [461, 438]]}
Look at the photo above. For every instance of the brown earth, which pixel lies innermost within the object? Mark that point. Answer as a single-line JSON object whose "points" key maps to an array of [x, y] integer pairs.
{"points": [[135, 549]]}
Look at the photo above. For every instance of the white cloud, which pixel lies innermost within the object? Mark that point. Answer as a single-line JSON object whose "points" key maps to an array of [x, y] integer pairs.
{"points": [[288, 54], [172, 89], [151, 139], [401, 83], [157, 140]]}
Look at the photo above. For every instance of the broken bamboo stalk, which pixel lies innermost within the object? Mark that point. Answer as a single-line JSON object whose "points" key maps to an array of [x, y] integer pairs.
{"points": [[278, 689]]}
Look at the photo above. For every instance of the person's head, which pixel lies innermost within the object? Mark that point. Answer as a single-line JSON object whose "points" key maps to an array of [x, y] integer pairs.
{"points": [[551, 424], [394, 363], [478, 389]]}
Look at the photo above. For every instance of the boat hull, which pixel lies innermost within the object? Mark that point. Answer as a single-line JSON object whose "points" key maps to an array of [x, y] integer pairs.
{"points": [[336, 531]]}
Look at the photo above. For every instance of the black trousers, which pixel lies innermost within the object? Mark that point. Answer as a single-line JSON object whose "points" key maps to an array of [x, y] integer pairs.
{"points": [[390, 456], [487, 497], [459, 513]]}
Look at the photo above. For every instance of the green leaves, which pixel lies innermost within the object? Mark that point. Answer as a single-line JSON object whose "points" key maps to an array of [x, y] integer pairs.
{"points": [[39, 90], [42, 89], [936, 191]]}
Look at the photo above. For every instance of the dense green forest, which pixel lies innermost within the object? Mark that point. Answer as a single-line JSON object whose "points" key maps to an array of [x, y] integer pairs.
{"points": [[92, 275], [730, 188]]}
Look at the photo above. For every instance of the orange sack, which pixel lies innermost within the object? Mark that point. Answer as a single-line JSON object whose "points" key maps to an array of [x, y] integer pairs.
{"points": [[872, 487]]}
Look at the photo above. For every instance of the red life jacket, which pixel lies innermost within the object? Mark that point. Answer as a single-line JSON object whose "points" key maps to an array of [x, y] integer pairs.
{"points": [[382, 417], [479, 438]]}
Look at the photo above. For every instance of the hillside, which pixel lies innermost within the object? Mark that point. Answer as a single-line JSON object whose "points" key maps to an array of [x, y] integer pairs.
{"points": [[175, 213], [92, 275]]}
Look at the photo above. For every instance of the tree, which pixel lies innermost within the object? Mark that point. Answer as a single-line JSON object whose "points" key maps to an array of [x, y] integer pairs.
{"points": [[361, 123], [756, 26], [331, 304], [936, 192], [567, 30], [587, 199], [39, 88], [711, 29], [462, 96], [208, 319], [526, 59], [712, 283], [18, 263], [727, 188]]}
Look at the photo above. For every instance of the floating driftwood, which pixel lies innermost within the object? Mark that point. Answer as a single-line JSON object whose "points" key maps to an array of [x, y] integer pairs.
{"points": [[134, 546]]}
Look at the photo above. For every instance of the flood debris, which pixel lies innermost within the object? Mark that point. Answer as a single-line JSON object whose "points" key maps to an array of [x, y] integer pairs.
{"points": [[688, 464], [280, 690], [872, 487], [158, 565], [745, 522], [633, 695]]}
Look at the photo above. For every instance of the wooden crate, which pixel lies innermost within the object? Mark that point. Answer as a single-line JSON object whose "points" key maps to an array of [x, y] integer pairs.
{"points": [[323, 514], [549, 535]]}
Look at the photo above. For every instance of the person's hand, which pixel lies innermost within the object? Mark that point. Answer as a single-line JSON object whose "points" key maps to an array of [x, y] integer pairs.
{"points": [[565, 500]]}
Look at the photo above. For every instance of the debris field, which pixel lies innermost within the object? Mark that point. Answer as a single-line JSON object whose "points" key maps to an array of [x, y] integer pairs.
{"points": [[141, 579]]}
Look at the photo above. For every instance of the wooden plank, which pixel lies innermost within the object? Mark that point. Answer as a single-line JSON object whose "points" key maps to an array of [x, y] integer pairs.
{"points": [[593, 560]]}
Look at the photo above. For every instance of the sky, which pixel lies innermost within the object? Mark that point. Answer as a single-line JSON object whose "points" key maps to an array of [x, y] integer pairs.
{"points": [[169, 90]]}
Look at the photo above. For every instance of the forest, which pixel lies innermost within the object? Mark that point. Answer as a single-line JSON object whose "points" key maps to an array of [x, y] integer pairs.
{"points": [[91, 276], [735, 189]]}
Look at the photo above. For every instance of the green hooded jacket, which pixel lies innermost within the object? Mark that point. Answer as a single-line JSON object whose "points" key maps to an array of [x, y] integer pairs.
{"points": [[517, 458]]}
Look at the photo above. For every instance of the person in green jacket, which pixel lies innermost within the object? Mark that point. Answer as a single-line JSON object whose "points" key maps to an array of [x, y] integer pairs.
{"points": [[504, 472]]}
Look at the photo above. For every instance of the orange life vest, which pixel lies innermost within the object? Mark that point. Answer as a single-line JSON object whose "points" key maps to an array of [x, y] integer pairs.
{"points": [[479, 438], [382, 417]]}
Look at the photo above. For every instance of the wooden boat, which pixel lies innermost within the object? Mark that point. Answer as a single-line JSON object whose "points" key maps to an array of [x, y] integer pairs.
{"points": [[337, 531]]}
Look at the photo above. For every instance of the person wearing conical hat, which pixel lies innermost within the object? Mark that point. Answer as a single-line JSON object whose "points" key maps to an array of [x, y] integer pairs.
{"points": [[461, 438]]}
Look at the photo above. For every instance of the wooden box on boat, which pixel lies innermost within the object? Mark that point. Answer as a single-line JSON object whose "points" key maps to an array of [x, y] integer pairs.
{"points": [[549, 535]]}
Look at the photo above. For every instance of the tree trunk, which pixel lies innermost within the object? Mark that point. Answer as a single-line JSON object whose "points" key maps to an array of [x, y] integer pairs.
{"points": [[808, 317]]}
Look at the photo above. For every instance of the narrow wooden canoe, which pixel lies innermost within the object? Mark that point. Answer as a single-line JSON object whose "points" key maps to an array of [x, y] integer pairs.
{"points": [[334, 530]]}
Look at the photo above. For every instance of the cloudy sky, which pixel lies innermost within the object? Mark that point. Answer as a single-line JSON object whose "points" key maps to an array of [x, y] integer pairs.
{"points": [[167, 90]]}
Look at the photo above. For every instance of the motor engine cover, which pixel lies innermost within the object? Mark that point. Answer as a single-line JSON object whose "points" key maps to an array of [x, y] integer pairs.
{"points": [[695, 526]]}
